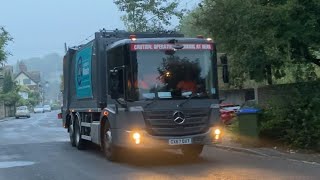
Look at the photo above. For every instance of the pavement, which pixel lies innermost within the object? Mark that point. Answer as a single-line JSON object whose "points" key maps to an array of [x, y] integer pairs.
{"points": [[7, 119], [290, 154], [39, 149]]}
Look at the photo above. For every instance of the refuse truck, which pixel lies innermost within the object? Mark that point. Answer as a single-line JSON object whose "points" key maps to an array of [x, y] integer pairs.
{"points": [[132, 91]]}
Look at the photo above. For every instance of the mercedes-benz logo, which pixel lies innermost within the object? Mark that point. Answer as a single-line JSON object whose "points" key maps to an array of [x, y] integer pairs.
{"points": [[178, 117]]}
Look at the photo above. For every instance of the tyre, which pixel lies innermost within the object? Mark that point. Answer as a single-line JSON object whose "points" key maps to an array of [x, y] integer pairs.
{"points": [[80, 143], [71, 132], [192, 151], [28, 116], [110, 151]]}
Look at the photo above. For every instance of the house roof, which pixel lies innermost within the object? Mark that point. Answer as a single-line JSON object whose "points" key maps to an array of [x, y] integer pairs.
{"points": [[34, 75]]}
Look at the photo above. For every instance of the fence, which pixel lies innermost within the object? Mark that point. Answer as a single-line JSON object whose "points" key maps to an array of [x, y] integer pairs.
{"points": [[267, 94], [237, 96], [6, 111]]}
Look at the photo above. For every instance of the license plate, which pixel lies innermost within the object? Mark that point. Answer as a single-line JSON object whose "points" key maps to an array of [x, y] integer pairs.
{"points": [[180, 141]]}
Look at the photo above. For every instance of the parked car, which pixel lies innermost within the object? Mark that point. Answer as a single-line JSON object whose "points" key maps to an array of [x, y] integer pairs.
{"points": [[228, 112], [38, 109], [47, 108], [22, 111]]}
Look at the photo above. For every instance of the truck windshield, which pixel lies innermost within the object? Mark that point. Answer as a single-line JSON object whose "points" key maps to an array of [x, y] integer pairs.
{"points": [[175, 74]]}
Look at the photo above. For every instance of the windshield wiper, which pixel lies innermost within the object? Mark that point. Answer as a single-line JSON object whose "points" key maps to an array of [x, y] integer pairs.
{"points": [[153, 101], [187, 100]]}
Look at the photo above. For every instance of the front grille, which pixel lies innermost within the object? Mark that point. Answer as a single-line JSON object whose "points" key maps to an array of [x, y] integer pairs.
{"points": [[161, 123]]}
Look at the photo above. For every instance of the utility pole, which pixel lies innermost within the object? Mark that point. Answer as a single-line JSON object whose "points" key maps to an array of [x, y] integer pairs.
{"points": [[65, 48]]}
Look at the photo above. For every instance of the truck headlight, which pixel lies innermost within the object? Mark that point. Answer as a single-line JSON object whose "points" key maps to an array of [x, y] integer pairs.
{"points": [[136, 137], [217, 131]]}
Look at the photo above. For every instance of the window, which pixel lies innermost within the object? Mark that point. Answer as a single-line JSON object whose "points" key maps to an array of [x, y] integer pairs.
{"points": [[115, 58], [26, 81], [174, 76]]}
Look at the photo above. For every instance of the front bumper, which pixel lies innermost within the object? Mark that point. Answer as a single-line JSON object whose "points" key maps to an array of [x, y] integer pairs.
{"points": [[123, 138], [22, 115]]}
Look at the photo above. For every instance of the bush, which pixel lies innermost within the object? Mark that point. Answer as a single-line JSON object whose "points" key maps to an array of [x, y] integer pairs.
{"points": [[297, 121], [55, 107]]}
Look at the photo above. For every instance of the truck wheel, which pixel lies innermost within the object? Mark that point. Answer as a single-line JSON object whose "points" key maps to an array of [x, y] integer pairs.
{"points": [[192, 152], [80, 143], [71, 133], [110, 151]]}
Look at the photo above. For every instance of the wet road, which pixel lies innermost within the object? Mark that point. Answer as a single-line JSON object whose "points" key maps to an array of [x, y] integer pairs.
{"points": [[38, 148]]}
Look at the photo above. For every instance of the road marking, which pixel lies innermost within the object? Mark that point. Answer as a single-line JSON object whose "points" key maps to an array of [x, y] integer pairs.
{"points": [[10, 164]]}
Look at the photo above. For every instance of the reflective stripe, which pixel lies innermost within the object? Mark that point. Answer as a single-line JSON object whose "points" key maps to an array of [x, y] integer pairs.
{"points": [[85, 124], [88, 138], [110, 110], [136, 108]]}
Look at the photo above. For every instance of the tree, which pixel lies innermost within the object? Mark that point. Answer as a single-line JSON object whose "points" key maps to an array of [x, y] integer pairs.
{"points": [[8, 83], [10, 98], [262, 37], [4, 39], [188, 25], [146, 15], [300, 29], [34, 98], [10, 91]]}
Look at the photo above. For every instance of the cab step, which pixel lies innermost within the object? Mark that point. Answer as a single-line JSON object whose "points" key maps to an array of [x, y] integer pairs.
{"points": [[88, 138]]}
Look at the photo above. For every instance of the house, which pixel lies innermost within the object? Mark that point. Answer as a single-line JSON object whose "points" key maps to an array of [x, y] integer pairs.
{"points": [[30, 79]]}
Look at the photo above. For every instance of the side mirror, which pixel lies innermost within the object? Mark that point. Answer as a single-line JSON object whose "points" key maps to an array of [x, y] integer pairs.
{"points": [[114, 84], [225, 70]]}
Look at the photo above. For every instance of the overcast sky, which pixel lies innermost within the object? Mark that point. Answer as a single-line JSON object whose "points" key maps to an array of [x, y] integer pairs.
{"points": [[40, 27]]}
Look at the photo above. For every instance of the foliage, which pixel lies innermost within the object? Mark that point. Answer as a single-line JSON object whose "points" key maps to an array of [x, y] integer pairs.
{"points": [[9, 94], [262, 37], [55, 106], [297, 121], [10, 98], [146, 15], [34, 98], [4, 39], [23, 102], [188, 25], [8, 84]]}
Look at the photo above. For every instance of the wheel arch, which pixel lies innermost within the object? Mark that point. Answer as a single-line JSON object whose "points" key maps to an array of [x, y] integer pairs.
{"points": [[68, 118]]}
